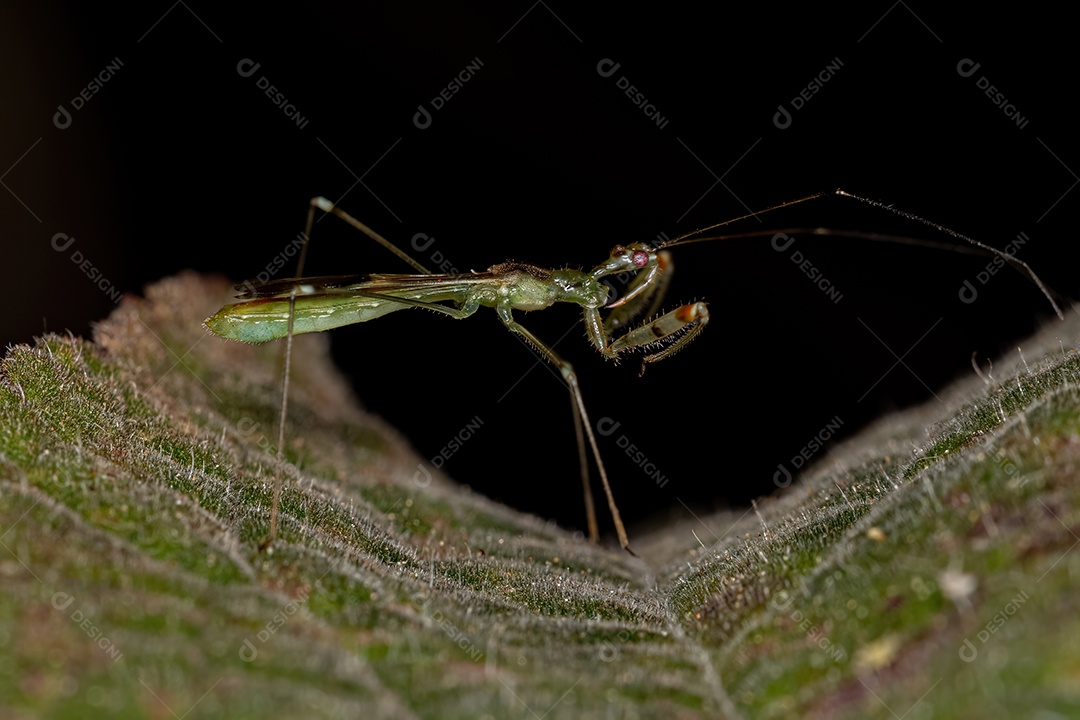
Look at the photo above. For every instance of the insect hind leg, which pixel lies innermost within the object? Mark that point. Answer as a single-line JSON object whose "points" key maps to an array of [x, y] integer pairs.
{"points": [[331, 209], [328, 207]]}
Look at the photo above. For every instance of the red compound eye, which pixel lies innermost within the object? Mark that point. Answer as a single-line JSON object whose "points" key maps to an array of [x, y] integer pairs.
{"points": [[641, 258]]}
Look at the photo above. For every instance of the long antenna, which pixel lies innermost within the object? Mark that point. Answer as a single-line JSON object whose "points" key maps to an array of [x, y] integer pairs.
{"points": [[698, 236]]}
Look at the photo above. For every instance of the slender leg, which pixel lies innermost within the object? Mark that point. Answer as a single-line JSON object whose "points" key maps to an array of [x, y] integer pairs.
{"points": [[281, 426], [583, 458], [328, 207], [567, 370]]}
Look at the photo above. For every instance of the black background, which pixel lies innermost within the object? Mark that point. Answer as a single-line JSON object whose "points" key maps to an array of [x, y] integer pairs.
{"points": [[180, 162]]}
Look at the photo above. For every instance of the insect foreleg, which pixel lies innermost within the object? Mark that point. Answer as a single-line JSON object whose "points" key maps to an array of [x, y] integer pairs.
{"points": [[643, 296], [671, 332]]}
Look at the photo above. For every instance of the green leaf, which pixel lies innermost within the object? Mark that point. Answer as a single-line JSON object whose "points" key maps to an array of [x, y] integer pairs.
{"points": [[924, 567]]}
